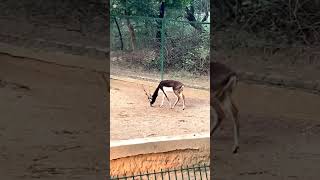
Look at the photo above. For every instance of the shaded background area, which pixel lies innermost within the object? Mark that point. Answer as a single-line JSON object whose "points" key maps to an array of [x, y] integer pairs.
{"points": [[274, 44], [269, 40], [53, 111], [279, 132], [46, 130], [80, 24]]}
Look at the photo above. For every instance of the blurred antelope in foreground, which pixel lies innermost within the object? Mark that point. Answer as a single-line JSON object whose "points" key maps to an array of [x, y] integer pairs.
{"points": [[222, 84]]}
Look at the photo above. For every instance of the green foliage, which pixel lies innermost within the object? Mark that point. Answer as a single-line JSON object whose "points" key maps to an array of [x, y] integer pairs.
{"points": [[186, 48], [134, 7], [150, 8], [178, 4], [195, 55]]}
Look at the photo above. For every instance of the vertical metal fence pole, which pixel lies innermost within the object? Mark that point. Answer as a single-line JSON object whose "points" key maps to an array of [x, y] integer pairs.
{"points": [[148, 175], [188, 172], [205, 170], [175, 173], [200, 172], [181, 173], [194, 173], [162, 46], [161, 175]]}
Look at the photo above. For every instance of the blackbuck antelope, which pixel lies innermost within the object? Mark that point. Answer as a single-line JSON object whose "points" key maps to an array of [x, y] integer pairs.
{"points": [[166, 86], [222, 84]]}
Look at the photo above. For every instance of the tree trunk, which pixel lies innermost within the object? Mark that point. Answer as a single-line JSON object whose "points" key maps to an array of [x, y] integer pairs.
{"points": [[207, 13], [132, 34], [193, 22], [161, 15], [120, 35]]}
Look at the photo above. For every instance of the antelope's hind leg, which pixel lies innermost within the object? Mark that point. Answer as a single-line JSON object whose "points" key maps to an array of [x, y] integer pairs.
{"points": [[217, 116], [236, 124], [232, 113], [183, 101], [178, 98]]}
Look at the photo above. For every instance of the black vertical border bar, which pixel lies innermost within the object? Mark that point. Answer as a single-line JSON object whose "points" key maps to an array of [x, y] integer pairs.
{"points": [[107, 95], [210, 74]]}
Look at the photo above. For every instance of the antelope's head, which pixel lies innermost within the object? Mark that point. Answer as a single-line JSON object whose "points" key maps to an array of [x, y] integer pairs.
{"points": [[148, 95]]}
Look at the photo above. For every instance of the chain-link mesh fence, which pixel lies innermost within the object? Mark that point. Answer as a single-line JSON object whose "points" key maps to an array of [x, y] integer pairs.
{"points": [[135, 43], [187, 47], [159, 47]]}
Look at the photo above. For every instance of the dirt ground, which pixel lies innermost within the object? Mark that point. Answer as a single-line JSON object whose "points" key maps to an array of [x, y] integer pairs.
{"points": [[132, 114], [280, 128], [52, 123], [279, 136]]}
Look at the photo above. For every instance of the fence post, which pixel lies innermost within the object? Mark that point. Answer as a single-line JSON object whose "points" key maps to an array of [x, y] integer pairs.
{"points": [[162, 46]]}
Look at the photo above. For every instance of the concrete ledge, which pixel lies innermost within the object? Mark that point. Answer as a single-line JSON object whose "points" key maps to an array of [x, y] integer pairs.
{"points": [[156, 153], [132, 147]]}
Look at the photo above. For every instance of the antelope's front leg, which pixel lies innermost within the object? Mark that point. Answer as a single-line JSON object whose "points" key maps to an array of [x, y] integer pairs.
{"points": [[169, 102], [162, 100]]}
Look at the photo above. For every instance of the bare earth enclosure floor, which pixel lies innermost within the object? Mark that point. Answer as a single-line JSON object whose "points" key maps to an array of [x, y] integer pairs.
{"points": [[132, 116], [279, 129]]}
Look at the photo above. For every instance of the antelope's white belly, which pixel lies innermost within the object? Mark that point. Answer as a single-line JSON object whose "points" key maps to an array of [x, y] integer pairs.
{"points": [[167, 89]]}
